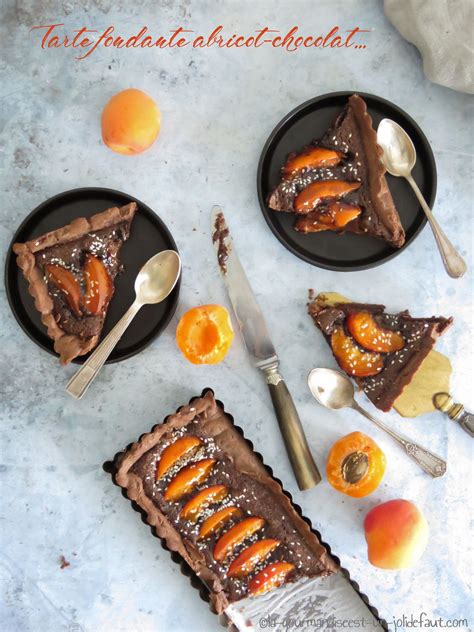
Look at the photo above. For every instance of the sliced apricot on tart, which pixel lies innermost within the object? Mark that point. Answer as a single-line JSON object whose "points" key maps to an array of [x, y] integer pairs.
{"points": [[188, 478], [235, 536], [270, 577], [313, 158], [251, 556], [334, 217], [99, 287], [67, 283], [343, 213], [351, 358], [367, 332], [202, 500], [180, 449], [217, 520], [321, 190]]}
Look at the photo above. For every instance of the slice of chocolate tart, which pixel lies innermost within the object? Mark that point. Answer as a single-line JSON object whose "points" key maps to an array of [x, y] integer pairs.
{"points": [[381, 351], [71, 274], [338, 183]]}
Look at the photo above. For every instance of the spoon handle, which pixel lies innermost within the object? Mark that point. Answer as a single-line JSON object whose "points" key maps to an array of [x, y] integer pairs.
{"points": [[453, 262], [429, 462], [82, 379]]}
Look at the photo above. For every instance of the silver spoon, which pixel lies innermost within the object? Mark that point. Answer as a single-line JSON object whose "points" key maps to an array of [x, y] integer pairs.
{"points": [[399, 158], [153, 284], [334, 390]]}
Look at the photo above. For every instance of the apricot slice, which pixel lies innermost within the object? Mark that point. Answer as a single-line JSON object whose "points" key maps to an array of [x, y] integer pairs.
{"points": [[202, 500], [214, 523], [351, 358], [250, 557], [272, 576], [130, 122], [235, 536], [321, 190], [336, 216], [99, 287], [312, 158], [181, 448], [67, 283], [204, 334], [188, 478], [343, 213], [365, 330]]}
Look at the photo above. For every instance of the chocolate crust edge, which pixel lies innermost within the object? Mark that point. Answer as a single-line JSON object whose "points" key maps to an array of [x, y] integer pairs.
{"points": [[132, 488], [68, 346]]}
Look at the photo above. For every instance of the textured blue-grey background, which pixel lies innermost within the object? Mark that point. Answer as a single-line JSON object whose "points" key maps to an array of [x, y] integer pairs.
{"points": [[218, 108]]}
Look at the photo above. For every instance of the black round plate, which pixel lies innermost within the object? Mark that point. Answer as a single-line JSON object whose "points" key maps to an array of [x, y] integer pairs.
{"points": [[148, 236], [329, 250]]}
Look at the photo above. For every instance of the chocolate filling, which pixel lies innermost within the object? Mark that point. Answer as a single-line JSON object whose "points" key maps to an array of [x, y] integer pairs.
{"points": [[104, 244]]}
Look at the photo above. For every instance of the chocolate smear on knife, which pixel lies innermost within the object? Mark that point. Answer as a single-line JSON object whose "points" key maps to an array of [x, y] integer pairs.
{"points": [[221, 232]]}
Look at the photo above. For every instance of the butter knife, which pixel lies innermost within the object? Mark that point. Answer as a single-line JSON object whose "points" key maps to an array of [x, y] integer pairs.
{"points": [[262, 352]]}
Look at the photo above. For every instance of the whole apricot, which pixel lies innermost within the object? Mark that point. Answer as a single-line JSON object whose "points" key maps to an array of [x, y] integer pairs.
{"points": [[130, 122], [397, 534]]}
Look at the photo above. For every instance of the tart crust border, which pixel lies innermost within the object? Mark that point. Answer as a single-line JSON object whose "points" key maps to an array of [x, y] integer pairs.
{"points": [[68, 346], [217, 423]]}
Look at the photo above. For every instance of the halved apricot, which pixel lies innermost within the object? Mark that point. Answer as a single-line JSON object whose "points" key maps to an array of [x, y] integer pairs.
{"points": [[351, 358], [367, 332], [312, 158], [204, 334], [251, 556], [67, 283], [188, 478], [175, 452], [99, 286], [235, 536], [272, 576], [214, 523], [202, 500], [321, 190]]}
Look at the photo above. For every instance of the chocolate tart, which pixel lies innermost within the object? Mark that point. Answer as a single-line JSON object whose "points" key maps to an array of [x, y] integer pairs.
{"points": [[71, 272], [254, 510], [381, 351], [338, 182]]}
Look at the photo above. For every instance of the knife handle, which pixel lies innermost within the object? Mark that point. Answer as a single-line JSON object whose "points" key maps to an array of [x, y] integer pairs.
{"points": [[305, 470]]}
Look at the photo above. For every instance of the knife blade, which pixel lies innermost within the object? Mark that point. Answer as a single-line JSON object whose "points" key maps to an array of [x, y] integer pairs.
{"points": [[262, 353]]}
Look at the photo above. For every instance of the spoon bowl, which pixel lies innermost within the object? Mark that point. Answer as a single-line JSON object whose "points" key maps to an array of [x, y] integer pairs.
{"points": [[330, 388], [399, 154], [157, 277]]}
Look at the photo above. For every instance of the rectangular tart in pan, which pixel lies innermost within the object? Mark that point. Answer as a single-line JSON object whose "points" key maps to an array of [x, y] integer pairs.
{"points": [[210, 498]]}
